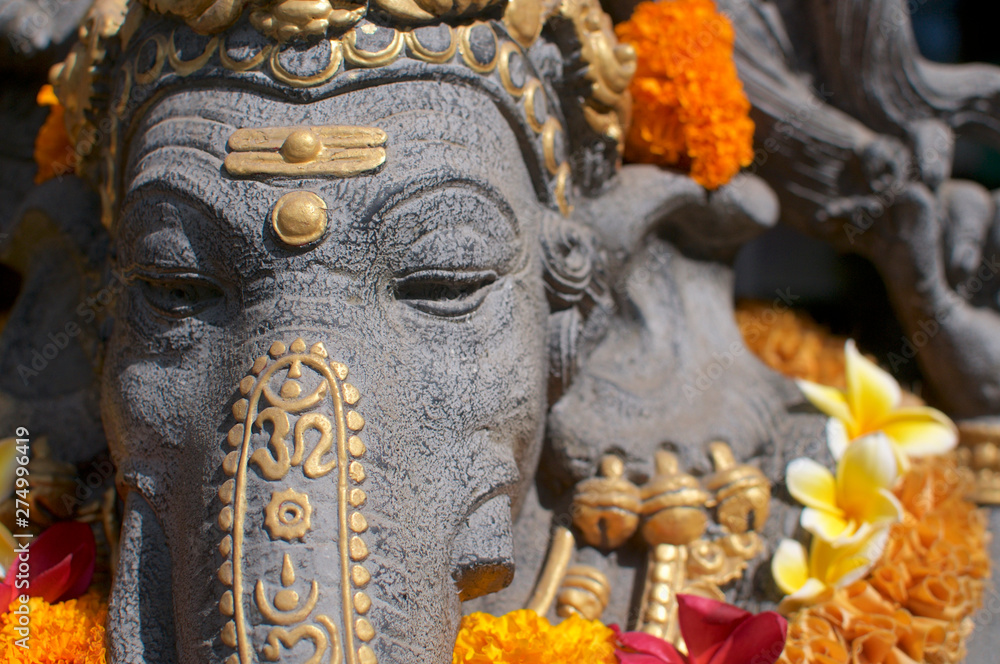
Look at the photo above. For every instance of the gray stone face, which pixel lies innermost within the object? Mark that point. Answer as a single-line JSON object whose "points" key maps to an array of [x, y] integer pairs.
{"points": [[427, 285]]}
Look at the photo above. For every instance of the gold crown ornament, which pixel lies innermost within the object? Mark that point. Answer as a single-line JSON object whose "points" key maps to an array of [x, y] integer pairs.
{"points": [[574, 113]]}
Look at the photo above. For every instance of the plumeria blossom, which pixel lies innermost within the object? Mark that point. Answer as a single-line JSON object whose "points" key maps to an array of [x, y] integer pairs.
{"points": [[860, 493], [7, 453], [872, 402], [807, 578], [714, 633]]}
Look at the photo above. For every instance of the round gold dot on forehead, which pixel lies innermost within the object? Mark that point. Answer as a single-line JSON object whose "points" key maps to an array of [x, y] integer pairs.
{"points": [[299, 218], [300, 146]]}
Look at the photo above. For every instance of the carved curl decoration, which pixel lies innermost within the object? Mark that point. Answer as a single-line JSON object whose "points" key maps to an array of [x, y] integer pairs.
{"points": [[74, 78], [610, 67], [569, 254]]}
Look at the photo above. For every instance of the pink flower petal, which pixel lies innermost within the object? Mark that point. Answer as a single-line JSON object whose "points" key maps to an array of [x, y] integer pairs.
{"points": [[706, 623], [51, 584], [638, 658], [645, 645], [760, 639], [61, 562]]}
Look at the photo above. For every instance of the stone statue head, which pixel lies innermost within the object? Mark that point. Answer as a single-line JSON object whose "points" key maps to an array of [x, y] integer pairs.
{"points": [[363, 249]]}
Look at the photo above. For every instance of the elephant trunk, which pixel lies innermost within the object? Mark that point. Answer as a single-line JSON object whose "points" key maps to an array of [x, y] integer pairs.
{"points": [[327, 551]]}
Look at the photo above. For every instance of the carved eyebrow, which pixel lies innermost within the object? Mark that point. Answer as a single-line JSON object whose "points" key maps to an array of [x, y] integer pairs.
{"points": [[202, 134], [428, 183], [183, 174]]}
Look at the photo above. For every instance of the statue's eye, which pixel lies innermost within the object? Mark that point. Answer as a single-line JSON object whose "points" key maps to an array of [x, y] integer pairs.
{"points": [[178, 296], [444, 292]]}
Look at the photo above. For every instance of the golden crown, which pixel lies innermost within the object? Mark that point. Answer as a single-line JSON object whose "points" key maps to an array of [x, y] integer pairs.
{"points": [[95, 81]]}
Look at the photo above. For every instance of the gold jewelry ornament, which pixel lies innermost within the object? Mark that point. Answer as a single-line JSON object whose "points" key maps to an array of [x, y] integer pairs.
{"points": [[582, 30], [979, 453], [673, 504], [585, 592], [681, 559], [741, 492], [606, 508]]}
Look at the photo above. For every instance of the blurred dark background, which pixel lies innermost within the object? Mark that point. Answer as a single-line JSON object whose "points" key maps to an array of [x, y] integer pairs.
{"points": [[844, 292]]}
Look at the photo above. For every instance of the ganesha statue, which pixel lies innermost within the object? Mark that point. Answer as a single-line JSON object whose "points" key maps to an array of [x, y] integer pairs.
{"points": [[391, 335]]}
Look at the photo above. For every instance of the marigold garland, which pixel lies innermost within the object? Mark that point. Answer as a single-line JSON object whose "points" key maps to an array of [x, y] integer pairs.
{"points": [[54, 153], [689, 108], [66, 632], [917, 602], [524, 637], [791, 343]]}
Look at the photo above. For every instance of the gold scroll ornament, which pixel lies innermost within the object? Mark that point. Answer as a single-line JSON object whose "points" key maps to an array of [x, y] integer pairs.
{"points": [[672, 513], [287, 517], [681, 558]]}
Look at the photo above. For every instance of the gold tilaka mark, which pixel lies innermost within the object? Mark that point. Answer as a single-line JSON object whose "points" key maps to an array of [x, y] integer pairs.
{"points": [[298, 218], [330, 151]]}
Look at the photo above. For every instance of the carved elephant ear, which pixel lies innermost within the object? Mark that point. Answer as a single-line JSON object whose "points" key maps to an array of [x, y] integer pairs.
{"points": [[671, 369], [54, 252]]}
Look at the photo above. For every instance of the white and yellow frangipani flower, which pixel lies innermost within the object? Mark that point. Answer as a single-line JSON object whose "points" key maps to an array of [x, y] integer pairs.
{"points": [[8, 451], [6, 551], [872, 402], [807, 579], [836, 507]]}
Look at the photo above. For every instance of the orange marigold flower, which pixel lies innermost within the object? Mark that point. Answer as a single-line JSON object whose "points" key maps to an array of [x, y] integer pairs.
{"points": [[524, 637], [54, 152], [792, 343], [70, 631], [689, 108]]}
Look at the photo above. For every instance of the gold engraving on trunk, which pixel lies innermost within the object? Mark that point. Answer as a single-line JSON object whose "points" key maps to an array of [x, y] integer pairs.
{"points": [[289, 638], [288, 515]]}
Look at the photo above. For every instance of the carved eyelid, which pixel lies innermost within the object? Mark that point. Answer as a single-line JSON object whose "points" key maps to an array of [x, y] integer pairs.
{"points": [[437, 182], [481, 233]]}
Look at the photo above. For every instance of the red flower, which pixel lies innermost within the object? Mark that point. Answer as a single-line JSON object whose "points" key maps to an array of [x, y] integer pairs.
{"points": [[60, 565], [714, 632]]}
